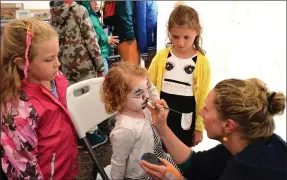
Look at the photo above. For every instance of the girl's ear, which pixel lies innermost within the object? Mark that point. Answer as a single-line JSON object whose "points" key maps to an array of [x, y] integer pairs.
{"points": [[20, 62], [198, 31]]}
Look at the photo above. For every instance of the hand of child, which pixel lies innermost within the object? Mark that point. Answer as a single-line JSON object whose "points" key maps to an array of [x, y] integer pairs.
{"points": [[165, 172], [113, 40], [197, 137]]}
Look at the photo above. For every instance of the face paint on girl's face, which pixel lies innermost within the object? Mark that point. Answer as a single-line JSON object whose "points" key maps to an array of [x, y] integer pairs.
{"points": [[140, 89], [137, 98]]}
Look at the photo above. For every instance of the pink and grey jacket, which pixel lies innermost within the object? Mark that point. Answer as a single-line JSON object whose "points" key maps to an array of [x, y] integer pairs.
{"points": [[40, 140]]}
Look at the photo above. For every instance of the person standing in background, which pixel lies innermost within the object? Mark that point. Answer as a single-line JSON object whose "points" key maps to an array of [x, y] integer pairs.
{"points": [[146, 29], [123, 27], [79, 53], [104, 41], [181, 73]]}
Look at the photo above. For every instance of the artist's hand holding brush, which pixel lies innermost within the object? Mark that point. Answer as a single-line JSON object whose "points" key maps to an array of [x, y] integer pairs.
{"points": [[159, 111]]}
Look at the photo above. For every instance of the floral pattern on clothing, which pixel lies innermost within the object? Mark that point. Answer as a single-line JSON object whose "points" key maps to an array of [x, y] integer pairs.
{"points": [[19, 141]]}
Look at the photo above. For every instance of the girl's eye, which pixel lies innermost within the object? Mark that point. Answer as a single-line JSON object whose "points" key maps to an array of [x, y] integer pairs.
{"points": [[186, 37], [138, 94], [48, 60], [175, 37]]}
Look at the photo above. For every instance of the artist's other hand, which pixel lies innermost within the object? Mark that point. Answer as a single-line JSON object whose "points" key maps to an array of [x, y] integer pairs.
{"points": [[197, 137], [166, 171]]}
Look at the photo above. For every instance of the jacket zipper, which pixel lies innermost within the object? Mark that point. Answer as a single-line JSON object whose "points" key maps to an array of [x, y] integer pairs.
{"points": [[53, 166]]}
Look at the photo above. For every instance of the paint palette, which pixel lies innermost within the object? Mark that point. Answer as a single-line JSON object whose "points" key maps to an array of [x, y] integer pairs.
{"points": [[151, 158]]}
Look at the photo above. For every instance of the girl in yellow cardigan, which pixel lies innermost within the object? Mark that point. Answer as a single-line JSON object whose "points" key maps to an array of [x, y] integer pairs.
{"points": [[181, 74]]}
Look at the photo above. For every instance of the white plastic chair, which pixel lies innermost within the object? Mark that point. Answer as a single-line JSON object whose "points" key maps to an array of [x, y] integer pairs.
{"points": [[87, 110]]}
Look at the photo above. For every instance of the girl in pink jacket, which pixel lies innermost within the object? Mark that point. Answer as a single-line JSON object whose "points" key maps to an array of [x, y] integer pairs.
{"points": [[37, 133]]}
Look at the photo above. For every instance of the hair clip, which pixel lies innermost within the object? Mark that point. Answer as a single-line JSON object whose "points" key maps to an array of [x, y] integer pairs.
{"points": [[270, 96], [28, 44]]}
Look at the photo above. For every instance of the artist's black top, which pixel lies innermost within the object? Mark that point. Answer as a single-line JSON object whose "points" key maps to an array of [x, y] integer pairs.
{"points": [[264, 159]]}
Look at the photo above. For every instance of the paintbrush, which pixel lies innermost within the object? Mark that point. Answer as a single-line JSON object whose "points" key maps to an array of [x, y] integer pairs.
{"points": [[151, 104]]}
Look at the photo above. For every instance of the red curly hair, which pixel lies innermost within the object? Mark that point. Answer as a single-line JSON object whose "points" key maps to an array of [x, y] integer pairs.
{"points": [[116, 85]]}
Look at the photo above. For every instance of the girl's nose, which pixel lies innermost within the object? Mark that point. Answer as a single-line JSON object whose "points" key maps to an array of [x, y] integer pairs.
{"points": [[180, 42], [145, 95], [58, 64]]}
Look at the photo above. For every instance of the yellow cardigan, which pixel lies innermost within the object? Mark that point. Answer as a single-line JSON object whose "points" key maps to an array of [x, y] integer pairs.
{"points": [[201, 79]]}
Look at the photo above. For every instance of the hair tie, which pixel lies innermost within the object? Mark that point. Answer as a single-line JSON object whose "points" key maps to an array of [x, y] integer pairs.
{"points": [[28, 44], [270, 96]]}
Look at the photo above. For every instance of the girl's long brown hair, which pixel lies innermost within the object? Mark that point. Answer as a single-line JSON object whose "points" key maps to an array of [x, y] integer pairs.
{"points": [[184, 15]]}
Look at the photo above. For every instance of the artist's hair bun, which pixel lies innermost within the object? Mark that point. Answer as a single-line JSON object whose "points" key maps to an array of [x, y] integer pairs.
{"points": [[276, 103]]}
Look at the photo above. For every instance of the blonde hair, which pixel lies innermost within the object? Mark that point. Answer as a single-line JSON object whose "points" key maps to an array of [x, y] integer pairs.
{"points": [[13, 46], [250, 104], [116, 85], [184, 15]]}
